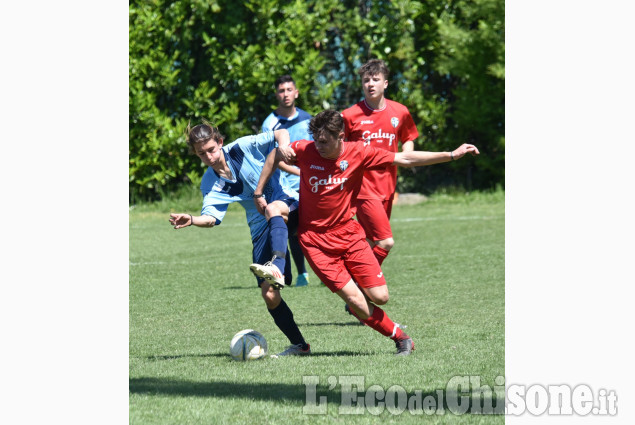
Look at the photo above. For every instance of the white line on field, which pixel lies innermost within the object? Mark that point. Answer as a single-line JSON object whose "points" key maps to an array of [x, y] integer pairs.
{"points": [[162, 263], [474, 217], [149, 263]]}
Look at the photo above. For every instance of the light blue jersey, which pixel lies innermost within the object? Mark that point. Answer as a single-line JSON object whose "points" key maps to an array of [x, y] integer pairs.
{"points": [[245, 158], [298, 128]]}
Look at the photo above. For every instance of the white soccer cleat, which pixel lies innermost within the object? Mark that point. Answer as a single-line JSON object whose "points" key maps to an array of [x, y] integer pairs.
{"points": [[268, 272], [294, 350]]}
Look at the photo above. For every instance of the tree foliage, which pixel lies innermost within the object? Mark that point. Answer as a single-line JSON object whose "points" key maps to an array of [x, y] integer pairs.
{"points": [[218, 59]]}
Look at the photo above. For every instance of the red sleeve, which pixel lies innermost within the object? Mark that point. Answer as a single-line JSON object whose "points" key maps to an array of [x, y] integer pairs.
{"points": [[298, 147], [347, 125], [375, 158], [294, 146]]}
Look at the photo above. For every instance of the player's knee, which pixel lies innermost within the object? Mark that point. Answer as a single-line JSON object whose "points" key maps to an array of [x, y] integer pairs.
{"points": [[381, 299], [275, 209], [378, 296], [386, 244], [271, 211]]}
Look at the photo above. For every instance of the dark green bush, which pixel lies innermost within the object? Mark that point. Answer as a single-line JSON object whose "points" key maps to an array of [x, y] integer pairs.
{"points": [[218, 60]]}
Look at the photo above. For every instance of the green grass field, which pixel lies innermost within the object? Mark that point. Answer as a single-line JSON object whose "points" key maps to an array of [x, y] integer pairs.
{"points": [[191, 290]]}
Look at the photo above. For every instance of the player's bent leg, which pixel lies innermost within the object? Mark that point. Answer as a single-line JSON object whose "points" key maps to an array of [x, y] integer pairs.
{"points": [[272, 271], [277, 208], [269, 272], [270, 295], [386, 244], [377, 294], [382, 248], [283, 318], [355, 299], [374, 220], [376, 318]]}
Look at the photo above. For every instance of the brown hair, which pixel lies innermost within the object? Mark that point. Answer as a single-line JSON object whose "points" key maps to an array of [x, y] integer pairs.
{"points": [[374, 67], [202, 133], [328, 121]]}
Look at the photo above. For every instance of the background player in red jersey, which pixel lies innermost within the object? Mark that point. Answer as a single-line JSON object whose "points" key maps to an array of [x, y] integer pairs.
{"points": [[331, 174], [381, 123]]}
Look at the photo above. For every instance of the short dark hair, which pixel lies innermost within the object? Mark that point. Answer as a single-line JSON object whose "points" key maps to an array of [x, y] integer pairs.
{"points": [[202, 133], [283, 79], [329, 121], [374, 67]]}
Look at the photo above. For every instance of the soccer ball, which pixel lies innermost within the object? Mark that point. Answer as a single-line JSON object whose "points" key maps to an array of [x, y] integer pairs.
{"points": [[248, 344]]}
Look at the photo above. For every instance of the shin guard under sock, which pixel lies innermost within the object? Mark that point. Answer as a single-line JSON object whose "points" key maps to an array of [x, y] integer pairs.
{"points": [[283, 317], [380, 321], [278, 236]]}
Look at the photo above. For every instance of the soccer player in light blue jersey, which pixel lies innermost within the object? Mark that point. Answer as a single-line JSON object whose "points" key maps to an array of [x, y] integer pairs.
{"points": [[232, 175], [296, 121]]}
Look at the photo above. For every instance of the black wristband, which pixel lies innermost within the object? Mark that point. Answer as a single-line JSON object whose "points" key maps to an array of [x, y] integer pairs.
{"points": [[262, 195]]}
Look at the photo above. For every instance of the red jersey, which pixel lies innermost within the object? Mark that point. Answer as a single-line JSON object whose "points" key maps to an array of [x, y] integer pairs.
{"points": [[327, 186], [384, 129]]}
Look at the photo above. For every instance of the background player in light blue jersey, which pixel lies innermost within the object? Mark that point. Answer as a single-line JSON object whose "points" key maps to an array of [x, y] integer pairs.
{"points": [[296, 122], [232, 176]]}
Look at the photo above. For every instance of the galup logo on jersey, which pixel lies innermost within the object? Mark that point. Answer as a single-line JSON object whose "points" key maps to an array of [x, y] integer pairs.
{"points": [[367, 135], [329, 182]]}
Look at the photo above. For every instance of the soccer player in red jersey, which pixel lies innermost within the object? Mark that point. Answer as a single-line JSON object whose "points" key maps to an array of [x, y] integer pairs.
{"points": [[334, 244], [381, 123]]}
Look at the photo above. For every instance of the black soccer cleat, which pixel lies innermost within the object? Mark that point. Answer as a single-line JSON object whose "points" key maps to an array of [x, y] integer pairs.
{"points": [[404, 347]]}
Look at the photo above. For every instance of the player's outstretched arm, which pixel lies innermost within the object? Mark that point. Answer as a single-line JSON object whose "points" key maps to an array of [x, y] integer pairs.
{"points": [[180, 220], [419, 158], [289, 168], [408, 146]]}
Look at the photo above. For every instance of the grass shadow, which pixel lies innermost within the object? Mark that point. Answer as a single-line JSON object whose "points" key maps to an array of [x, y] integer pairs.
{"points": [[356, 323], [339, 354], [218, 389], [450, 403], [186, 356], [226, 355], [251, 288]]}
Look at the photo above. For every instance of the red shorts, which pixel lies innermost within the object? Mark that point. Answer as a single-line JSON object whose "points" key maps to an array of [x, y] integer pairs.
{"points": [[374, 216], [340, 254]]}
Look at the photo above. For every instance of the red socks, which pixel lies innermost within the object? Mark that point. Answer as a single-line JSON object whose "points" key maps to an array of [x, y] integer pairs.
{"points": [[380, 254], [382, 324]]}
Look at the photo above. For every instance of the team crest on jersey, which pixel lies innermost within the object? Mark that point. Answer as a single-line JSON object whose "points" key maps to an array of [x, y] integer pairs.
{"points": [[343, 165], [394, 121]]}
